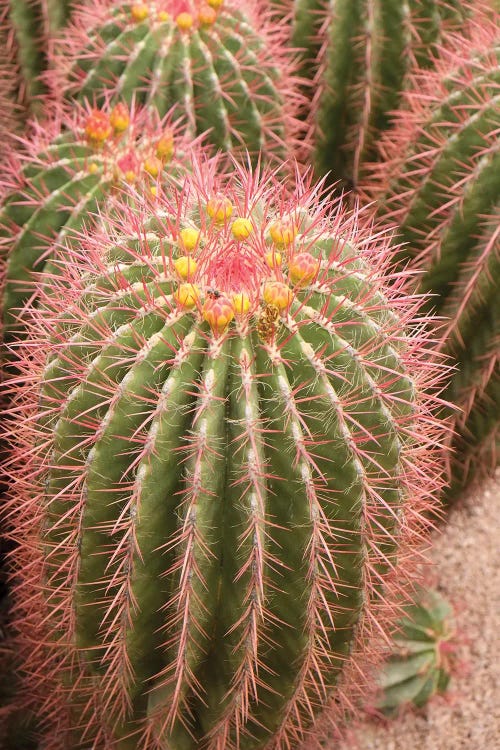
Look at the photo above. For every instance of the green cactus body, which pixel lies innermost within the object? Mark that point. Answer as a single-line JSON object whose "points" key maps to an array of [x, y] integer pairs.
{"points": [[227, 455], [222, 70], [422, 662], [441, 184], [27, 20], [65, 182], [359, 53]]}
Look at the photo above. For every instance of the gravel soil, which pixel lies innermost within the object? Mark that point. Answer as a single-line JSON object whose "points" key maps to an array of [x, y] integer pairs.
{"points": [[466, 569]]}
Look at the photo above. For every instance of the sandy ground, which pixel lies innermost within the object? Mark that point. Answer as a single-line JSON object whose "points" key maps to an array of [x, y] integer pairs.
{"points": [[466, 557]]}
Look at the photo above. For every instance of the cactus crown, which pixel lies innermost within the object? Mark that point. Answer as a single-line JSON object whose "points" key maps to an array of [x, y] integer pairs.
{"points": [[64, 179], [230, 426], [222, 66]]}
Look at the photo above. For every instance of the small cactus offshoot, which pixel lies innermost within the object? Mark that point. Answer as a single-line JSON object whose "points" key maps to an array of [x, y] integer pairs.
{"points": [[422, 663]]}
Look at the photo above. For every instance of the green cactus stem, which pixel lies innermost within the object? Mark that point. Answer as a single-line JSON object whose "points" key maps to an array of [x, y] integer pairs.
{"points": [[358, 54], [232, 441], [440, 183], [69, 173], [421, 665], [222, 66]]}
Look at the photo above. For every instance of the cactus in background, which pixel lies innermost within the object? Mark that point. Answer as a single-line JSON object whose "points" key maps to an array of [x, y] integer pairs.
{"points": [[62, 182], [24, 24], [358, 54], [222, 66], [439, 181], [422, 663], [222, 435]]}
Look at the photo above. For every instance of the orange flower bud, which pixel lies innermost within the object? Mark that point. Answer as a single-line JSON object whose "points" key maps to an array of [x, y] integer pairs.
{"points": [[219, 208], [283, 232], [207, 16], [278, 294], [218, 312], [98, 127], [153, 166], [303, 268]]}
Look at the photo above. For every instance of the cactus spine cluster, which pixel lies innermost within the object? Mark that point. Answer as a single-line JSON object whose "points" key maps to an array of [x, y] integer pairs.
{"points": [[220, 65], [229, 430], [440, 183]]}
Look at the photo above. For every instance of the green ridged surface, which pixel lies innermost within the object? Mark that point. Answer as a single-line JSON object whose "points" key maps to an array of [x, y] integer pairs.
{"points": [[221, 77], [456, 155], [27, 19], [369, 46], [206, 486]]}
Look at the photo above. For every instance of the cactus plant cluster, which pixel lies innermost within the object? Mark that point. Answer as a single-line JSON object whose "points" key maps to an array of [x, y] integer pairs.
{"points": [[225, 424]]}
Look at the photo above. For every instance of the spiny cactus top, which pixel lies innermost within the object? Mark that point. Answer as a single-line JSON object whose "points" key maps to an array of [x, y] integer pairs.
{"points": [[439, 181], [221, 64], [63, 180], [359, 54], [224, 440]]}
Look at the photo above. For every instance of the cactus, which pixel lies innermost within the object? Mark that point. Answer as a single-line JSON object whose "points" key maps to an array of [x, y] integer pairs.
{"points": [[25, 26], [439, 181], [220, 442], [64, 179], [422, 662], [222, 66], [359, 54]]}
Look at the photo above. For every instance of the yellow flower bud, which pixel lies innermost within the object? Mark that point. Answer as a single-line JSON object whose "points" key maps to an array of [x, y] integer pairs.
{"points": [[163, 16], [241, 303], [241, 228], [187, 295], [140, 11], [189, 238], [185, 266], [184, 21], [153, 166], [119, 118], [273, 259]]}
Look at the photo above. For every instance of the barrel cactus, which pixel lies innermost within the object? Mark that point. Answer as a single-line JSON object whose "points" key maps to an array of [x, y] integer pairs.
{"points": [[223, 434], [63, 179], [439, 181], [221, 65], [359, 54]]}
